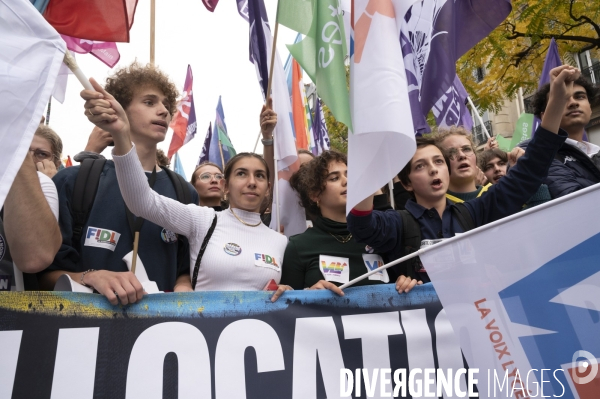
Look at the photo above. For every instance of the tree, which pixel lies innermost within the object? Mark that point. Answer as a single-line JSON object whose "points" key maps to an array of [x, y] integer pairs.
{"points": [[338, 132], [513, 54]]}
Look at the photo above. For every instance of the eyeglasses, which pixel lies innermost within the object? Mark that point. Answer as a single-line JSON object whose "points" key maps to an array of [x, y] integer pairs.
{"points": [[41, 155], [206, 177], [467, 151]]}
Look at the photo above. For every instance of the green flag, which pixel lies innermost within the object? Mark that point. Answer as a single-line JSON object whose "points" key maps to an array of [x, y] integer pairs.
{"points": [[503, 143], [321, 54], [226, 142], [523, 129], [296, 14]]}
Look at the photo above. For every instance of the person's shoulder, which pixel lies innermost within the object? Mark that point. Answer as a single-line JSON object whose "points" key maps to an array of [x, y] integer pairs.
{"points": [[269, 234]]}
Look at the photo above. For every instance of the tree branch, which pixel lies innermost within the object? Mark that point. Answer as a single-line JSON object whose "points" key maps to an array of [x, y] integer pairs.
{"points": [[583, 39], [584, 18]]}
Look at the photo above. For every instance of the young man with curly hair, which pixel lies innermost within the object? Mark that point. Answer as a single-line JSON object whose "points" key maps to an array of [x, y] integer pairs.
{"points": [[94, 256], [572, 168]]}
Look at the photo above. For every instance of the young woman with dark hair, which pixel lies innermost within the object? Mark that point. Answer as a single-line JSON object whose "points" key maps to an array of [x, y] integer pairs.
{"points": [[326, 255], [238, 253]]}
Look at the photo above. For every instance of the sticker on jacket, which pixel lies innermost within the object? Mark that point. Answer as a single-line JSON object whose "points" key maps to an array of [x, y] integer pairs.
{"points": [[268, 261], [101, 238], [335, 269], [372, 262]]}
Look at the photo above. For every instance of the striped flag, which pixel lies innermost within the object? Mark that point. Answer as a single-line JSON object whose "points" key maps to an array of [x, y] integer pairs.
{"points": [[184, 121]]}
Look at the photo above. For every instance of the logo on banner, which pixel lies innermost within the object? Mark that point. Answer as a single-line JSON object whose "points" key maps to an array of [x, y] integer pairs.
{"points": [[334, 268], [372, 262], [268, 261], [101, 238], [560, 300]]}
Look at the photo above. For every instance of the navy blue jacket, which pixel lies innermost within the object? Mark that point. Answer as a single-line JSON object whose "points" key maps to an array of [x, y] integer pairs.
{"points": [[570, 171], [383, 230], [108, 214]]}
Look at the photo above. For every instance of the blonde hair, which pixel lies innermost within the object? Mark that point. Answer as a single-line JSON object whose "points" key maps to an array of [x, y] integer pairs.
{"points": [[56, 145], [443, 133]]}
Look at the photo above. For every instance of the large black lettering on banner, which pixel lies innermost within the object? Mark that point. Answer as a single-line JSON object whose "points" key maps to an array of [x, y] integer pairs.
{"points": [[217, 344]]}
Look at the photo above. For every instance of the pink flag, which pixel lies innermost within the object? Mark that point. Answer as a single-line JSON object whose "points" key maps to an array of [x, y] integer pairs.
{"points": [[106, 52], [210, 4]]}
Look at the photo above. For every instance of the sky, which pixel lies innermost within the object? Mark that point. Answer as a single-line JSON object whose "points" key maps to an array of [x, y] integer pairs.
{"points": [[216, 47]]}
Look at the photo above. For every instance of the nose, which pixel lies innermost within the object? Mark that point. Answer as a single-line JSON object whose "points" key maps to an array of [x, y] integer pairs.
{"points": [[572, 102], [162, 109], [344, 180]]}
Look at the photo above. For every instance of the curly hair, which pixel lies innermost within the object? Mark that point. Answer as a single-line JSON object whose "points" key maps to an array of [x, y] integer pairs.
{"points": [[490, 154], [421, 142], [56, 144], [162, 159], [122, 84], [311, 179], [540, 98]]}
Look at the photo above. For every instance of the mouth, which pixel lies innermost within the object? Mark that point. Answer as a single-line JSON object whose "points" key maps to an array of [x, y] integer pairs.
{"points": [[160, 122], [250, 194], [496, 179], [436, 184], [344, 192], [574, 113], [214, 189], [464, 166]]}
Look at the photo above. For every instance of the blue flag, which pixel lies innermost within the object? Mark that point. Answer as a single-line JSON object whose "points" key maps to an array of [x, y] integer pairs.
{"points": [[206, 146], [178, 167], [220, 138]]}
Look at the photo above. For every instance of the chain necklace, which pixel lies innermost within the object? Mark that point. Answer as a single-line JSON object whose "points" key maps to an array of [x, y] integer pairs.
{"points": [[244, 223], [344, 239]]}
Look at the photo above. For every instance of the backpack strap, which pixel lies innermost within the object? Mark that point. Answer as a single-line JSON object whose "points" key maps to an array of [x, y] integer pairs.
{"points": [[84, 193], [411, 242], [461, 213], [201, 252], [180, 184]]}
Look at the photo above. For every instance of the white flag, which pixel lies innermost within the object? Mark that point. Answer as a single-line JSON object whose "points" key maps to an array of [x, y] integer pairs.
{"points": [[383, 138], [31, 53], [523, 294]]}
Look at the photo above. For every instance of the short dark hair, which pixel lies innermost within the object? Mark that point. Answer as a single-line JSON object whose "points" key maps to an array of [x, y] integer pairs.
{"points": [[311, 179], [421, 142], [490, 154], [540, 98], [303, 151]]}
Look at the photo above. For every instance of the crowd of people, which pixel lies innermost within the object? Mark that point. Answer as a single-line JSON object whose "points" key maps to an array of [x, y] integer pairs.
{"points": [[210, 233]]}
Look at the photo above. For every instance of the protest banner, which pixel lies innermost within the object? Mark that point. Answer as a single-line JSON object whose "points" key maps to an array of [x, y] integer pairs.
{"points": [[308, 344]]}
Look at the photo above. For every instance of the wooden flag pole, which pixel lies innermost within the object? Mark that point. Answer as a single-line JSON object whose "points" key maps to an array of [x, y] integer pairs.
{"points": [[267, 95], [152, 19], [136, 241], [257, 138], [221, 151]]}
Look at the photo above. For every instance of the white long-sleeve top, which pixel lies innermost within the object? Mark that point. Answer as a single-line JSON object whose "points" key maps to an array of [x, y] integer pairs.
{"points": [[237, 257]]}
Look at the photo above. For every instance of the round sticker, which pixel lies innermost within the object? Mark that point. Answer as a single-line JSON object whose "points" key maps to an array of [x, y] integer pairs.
{"points": [[2, 247], [168, 236], [369, 250], [232, 249]]}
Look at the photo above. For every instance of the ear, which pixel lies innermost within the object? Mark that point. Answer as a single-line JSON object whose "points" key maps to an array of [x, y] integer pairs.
{"points": [[542, 114], [315, 198], [408, 186]]}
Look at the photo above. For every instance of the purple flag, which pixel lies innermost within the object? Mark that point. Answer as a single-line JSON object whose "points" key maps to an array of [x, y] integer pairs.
{"points": [[206, 146], [451, 109], [106, 52], [435, 34], [552, 61], [255, 13], [319, 128]]}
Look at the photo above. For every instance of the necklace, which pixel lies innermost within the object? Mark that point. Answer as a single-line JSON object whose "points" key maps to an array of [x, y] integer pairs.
{"points": [[344, 239], [244, 223]]}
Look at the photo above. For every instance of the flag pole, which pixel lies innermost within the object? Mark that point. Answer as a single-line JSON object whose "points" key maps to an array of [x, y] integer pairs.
{"points": [[267, 95], [152, 18], [256, 144], [391, 188], [221, 152], [48, 112], [487, 134]]}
